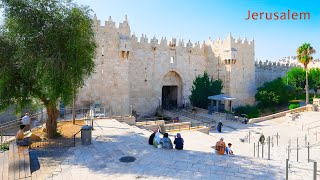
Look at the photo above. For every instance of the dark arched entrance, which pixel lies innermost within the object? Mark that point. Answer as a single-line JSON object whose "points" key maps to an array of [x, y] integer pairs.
{"points": [[171, 90]]}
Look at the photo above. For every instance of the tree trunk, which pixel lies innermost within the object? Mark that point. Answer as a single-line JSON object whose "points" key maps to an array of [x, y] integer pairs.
{"points": [[307, 87], [51, 124]]}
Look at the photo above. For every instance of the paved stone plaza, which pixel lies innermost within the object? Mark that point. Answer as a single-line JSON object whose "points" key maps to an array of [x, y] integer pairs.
{"points": [[113, 140]]}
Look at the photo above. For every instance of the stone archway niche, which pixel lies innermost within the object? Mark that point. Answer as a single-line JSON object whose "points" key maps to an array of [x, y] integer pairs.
{"points": [[172, 90]]}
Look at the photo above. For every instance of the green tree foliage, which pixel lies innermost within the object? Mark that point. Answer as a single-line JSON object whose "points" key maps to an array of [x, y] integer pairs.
{"points": [[314, 79], [304, 54], [47, 51], [203, 87], [250, 111], [297, 78], [272, 93]]}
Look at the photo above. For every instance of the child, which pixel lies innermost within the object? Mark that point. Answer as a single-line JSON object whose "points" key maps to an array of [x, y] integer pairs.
{"points": [[228, 149]]}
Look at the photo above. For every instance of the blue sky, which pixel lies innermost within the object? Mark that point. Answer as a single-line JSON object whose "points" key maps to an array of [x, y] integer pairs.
{"points": [[199, 20]]}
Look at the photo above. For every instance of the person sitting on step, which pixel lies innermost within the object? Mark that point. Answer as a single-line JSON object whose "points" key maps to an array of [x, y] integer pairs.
{"points": [[152, 137], [178, 141], [20, 140], [166, 142], [228, 149], [220, 147], [157, 140]]}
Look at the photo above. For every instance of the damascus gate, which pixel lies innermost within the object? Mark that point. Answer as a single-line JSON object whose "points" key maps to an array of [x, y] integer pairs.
{"points": [[148, 73]]}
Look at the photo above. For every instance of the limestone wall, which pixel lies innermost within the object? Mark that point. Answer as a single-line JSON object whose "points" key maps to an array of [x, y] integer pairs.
{"points": [[132, 71], [268, 71]]}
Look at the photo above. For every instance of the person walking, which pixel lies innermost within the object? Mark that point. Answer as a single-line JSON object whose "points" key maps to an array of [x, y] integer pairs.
{"points": [[219, 127], [262, 138]]}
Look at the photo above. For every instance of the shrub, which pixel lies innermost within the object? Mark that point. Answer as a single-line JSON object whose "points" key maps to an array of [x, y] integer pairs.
{"points": [[250, 111], [272, 93], [293, 106], [4, 147], [203, 87]]}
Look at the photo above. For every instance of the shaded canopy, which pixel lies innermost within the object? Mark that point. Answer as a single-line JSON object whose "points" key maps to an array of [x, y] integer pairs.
{"points": [[221, 97]]}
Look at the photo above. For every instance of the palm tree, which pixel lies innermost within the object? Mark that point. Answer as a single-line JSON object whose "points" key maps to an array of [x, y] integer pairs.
{"points": [[304, 55]]}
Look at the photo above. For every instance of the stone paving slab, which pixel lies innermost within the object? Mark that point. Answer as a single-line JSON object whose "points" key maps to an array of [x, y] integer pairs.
{"points": [[100, 160]]}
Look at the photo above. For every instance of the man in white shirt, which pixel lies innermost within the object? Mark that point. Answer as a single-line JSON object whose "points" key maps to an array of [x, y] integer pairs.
{"points": [[26, 120]]}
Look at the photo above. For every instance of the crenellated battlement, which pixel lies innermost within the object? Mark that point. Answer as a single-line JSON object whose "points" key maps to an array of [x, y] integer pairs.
{"points": [[267, 71], [124, 29], [276, 65]]}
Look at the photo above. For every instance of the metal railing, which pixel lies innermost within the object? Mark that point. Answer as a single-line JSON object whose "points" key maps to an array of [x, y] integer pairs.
{"points": [[60, 142], [308, 124], [16, 122], [314, 170]]}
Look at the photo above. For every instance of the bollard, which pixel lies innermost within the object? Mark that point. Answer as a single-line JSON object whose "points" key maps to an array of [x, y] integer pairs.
{"points": [[287, 169], [315, 170], [269, 148], [308, 152], [254, 149], [258, 149], [277, 139], [288, 152], [305, 140], [297, 150], [262, 151]]}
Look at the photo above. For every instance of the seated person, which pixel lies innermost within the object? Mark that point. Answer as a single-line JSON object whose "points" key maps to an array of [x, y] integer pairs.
{"points": [[20, 140], [220, 147], [178, 141], [176, 119], [152, 137], [156, 140], [228, 149], [166, 142]]}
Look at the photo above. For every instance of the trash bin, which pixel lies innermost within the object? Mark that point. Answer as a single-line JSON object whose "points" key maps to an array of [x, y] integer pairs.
{"points": [[86, 132]]}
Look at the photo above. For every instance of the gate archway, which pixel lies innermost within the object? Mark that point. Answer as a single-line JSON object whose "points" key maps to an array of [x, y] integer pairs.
{"points": [[171, 90]]}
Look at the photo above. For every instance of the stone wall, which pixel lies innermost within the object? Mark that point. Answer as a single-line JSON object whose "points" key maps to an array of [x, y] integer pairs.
{"points": [[132, 71], [268, 71]]}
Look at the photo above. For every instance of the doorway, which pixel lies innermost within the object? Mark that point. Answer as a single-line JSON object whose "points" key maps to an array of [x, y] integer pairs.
{"points": [[169, 97]]}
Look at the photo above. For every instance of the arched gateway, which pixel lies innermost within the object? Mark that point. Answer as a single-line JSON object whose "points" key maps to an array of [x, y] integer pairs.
{"points": [[171, 90]]}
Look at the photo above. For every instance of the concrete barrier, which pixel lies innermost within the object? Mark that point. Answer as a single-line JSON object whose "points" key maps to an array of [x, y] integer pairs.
{"points": [[281, 114], [131, 120]]}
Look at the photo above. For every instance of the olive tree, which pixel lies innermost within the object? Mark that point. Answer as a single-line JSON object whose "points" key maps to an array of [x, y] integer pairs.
{"points": [[47, 50]]}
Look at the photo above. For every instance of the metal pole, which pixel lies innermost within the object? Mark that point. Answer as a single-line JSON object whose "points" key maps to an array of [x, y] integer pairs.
{"points": [[1, 139], [258, 148], [305, 140], [262, 150], [297, 149], [254, 149], [308, 152], [288, 152], [287, 169], [269, 148], [315, 170]]}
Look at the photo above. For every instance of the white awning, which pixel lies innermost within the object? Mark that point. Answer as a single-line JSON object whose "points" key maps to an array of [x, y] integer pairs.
{"points": [[221, 97]]}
